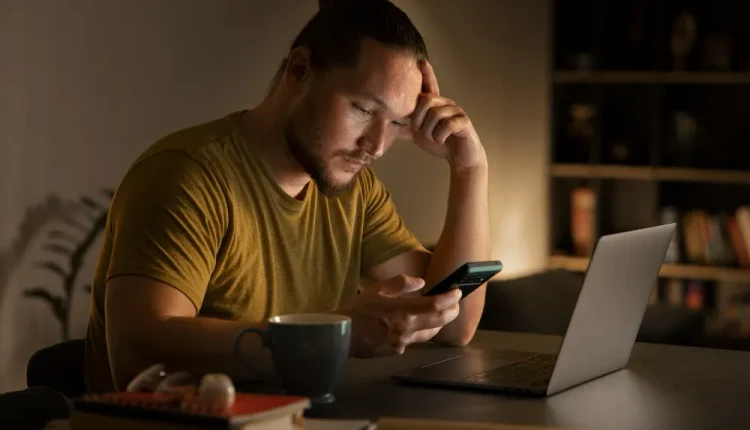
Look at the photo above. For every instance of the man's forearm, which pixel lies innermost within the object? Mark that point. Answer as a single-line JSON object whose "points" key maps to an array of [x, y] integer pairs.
{"points": [[465, 237], [192, 344]]}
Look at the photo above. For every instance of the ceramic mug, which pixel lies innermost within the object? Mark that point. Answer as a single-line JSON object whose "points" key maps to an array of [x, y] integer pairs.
{"points": [[308, 351]]}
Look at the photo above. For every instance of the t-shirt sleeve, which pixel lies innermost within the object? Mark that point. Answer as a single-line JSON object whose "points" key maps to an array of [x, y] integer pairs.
{"points": [[167, 222], [385, 234]]}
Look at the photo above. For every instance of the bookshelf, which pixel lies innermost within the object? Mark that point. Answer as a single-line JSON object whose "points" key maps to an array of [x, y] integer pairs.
{"points": [[669, 270], [661, 174], [648, 126], [648, 77]]}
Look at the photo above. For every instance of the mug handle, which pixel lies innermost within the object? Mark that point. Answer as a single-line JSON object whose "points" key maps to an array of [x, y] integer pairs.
{"points": [[263, 333], [265, 337]]}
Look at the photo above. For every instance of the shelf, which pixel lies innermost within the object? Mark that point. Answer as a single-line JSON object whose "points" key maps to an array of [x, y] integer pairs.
{"points": [[668, 270], [649, 77], [674, 174]]}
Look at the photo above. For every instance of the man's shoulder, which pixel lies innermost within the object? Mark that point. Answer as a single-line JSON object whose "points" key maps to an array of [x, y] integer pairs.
{"points": [[204, 143], [192, 156]]}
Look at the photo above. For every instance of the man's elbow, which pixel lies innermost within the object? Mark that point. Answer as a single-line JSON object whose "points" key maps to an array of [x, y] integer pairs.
{"points": [[132, 349], [126, 362], [464, 338], [456, 338]]}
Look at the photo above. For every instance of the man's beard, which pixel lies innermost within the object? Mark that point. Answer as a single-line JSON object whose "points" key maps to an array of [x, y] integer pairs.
{"points": [[312, 163]]}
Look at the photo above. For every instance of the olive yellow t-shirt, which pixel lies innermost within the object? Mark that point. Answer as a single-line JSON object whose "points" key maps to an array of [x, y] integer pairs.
{"points": [[200, 212]]}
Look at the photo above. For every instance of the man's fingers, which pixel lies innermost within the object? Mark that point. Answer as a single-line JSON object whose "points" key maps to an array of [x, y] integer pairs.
{"points": [[405, 133], [418, 313], [438, 302], [435, 319], [436, 116], [449, 126], [401, 284], [420, 111], [421, 305], [429, 80], [425, 104], [420, 328], [423, 335]]}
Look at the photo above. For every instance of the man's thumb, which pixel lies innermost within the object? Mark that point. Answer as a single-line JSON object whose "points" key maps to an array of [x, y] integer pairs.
{"points": [[401, 284]]}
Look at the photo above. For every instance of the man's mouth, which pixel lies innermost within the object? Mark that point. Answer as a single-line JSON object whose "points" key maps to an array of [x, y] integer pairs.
{"points": [[354, 164], [356, 161]]}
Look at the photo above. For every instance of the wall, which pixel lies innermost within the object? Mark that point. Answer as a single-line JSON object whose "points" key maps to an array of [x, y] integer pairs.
{"points": [[490, 56], [88, 84]]}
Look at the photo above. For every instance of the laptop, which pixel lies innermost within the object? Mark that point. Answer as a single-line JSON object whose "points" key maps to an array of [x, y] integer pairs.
{"points": [[601, 332]]}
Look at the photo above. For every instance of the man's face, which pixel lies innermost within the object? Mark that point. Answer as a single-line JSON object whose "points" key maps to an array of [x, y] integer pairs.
{"points": [[346, 118]]}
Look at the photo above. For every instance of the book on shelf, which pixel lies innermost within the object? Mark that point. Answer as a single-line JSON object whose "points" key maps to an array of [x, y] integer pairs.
{"points": [[743, 224], [583, 220], [738, 242], [669, 215], [721, 239], [681, 293], [675, 292], [695, 295]]}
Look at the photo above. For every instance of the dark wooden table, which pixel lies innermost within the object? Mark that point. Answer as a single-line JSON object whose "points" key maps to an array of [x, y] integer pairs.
{"points": [[663, 387]]}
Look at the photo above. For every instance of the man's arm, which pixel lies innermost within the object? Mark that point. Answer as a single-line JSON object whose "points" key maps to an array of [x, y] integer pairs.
{"points": [[465, 237], [443, 129], [167, 222], [151, 322]]}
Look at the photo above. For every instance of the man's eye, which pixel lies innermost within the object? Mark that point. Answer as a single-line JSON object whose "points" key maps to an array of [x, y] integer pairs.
{"points": [[363, 110], [398, 124]]}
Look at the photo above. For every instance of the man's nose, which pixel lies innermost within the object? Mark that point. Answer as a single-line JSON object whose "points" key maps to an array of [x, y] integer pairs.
{"points": [[374, 140]]}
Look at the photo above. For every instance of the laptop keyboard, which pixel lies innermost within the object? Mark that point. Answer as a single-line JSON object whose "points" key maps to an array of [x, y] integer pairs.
{"points": [[535, 370]]}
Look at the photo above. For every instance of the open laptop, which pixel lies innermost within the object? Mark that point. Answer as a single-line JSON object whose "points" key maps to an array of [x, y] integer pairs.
{"points": [[606, 319]]}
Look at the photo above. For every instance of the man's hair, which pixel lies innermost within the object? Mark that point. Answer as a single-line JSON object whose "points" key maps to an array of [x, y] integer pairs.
{"points": [[335, 33]]}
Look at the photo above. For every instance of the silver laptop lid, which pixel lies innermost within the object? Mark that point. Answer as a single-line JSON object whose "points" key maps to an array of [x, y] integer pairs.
{"points": [[623, 271]]}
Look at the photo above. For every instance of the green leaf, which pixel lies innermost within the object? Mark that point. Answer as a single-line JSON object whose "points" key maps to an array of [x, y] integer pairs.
{"points": [[76, 258], [54, 267], [58, 249], [55, 302], [61, 235], [74, 223], [87, 201]]}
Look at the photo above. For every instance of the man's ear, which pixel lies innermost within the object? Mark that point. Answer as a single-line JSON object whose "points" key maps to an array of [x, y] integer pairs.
{"points": [[299, 67]]}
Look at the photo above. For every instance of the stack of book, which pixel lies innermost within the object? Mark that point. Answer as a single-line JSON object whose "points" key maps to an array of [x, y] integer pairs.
{"points": [[250, 411], [147, 411]]}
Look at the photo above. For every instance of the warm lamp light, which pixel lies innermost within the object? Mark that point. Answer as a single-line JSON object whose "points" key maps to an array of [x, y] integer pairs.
{"points": [[516, 243]]}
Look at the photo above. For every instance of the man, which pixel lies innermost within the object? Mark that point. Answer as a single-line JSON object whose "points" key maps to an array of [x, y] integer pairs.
{"points": [[274, 210]]}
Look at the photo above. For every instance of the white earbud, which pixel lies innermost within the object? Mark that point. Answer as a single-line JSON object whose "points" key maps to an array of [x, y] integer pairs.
{"points": [[217, 389]]}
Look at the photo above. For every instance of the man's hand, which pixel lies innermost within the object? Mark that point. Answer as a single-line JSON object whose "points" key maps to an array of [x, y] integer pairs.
{"points": [[442, 128], [388, 316]]}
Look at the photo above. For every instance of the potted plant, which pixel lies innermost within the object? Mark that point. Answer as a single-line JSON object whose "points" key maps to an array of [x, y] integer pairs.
{"points": [[83, 223]]}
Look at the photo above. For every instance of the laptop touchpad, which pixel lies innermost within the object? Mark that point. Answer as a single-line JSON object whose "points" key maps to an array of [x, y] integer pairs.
{"points": [[491, 359], [471, 362]]}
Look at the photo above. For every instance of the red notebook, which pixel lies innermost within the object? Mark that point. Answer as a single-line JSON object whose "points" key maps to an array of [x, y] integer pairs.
{"points": [[248, 407]]}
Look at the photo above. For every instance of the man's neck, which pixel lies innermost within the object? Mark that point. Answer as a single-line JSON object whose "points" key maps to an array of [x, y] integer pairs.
{"points": [[263, 127]]}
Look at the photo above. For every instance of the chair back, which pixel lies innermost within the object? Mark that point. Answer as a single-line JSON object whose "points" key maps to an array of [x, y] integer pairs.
{"points": [[60, 367], [543, 303]]}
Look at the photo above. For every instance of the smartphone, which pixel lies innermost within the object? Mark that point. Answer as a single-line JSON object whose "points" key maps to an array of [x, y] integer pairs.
{"points": [[468, 277]]}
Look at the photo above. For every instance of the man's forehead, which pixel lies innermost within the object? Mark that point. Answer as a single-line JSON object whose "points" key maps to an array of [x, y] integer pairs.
{"points": [[389, 74]]}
